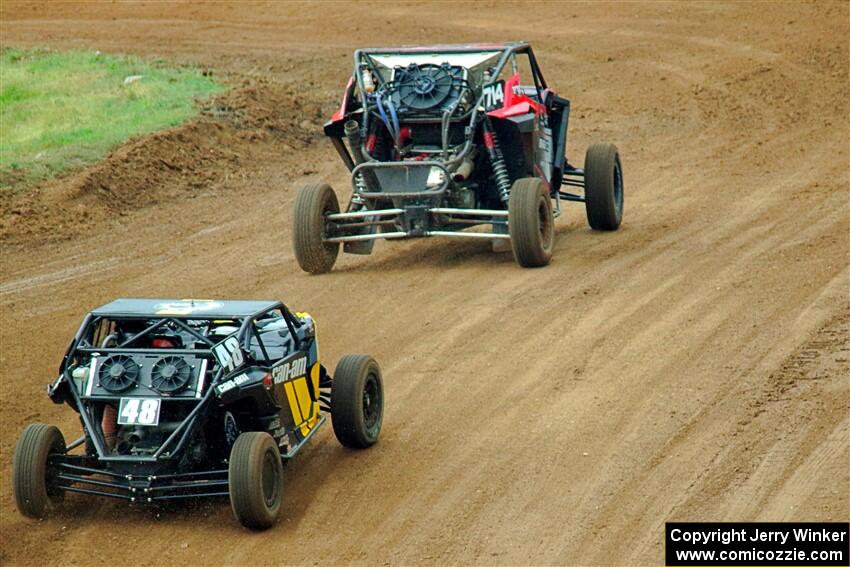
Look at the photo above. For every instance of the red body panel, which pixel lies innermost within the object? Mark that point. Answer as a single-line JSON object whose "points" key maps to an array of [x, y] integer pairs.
{"points": [[516, 104], [340, 113]]}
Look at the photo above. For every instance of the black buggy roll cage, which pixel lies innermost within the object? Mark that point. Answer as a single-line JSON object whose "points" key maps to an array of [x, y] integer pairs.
{"points": [[138, 478], [64, 384], [508, 50], [363, 57]]}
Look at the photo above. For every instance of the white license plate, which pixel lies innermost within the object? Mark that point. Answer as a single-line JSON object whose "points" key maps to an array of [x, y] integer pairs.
{"points": [[138, 411]]}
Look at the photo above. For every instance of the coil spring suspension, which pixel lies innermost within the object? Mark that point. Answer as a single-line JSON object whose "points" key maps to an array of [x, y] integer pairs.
{"points": [[497, 162], [361, 188]]}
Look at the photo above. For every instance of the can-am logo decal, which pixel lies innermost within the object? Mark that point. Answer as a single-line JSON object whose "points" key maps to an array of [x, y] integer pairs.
{"points": [[289, 370], [232, 383]]}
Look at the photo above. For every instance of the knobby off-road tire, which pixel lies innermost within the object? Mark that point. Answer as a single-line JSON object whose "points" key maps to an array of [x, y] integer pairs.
{"points": [[312, 204], [255, 476], [34, 484], [603, 187], [357, 401], [531, 222]]}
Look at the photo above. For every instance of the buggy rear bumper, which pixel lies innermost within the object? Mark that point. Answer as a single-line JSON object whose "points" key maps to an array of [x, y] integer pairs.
{"points": [[76, 473], [148, 479], [412, 194], [416, 221]]}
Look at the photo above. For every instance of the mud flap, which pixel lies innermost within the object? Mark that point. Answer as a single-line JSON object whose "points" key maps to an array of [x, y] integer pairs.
{"points": [[360, 247], [363, 247], [500, 245]]}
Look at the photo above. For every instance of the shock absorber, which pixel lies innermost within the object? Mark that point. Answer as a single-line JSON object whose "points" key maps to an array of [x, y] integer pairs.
{"points": [[497, 161], [352, 132], [356, 199]]}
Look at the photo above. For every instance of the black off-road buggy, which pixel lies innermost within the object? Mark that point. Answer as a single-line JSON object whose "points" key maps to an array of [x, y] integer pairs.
{"points": [[193, 398], [443, 138]]}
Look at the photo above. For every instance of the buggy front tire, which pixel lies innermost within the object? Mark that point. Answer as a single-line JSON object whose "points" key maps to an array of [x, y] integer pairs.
{"points": [[34, 480], [312, 204], [603, 187], [255, 478], [357, 401], [531, 222]]}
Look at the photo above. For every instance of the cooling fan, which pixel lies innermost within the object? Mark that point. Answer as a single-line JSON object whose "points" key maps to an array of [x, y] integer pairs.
{"points": [[118, 373], [424, 87], [170, 374]]}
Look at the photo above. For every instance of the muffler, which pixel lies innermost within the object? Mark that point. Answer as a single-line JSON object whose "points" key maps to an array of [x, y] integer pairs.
{"points": [[352, 133]]}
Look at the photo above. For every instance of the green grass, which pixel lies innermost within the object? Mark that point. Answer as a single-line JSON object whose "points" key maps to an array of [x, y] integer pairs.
{"points": [[64, 110]]}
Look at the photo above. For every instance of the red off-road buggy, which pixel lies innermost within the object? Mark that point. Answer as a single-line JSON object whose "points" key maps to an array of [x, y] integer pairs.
{"points": [[444, 138]]}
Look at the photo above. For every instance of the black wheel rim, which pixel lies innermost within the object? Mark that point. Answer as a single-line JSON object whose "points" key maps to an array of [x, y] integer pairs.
{"points": [[544, 222], [51, 481], [51, 473], [327, 225], [329, 228], [231, 429], [618, 187], [271, 482], [372, 404]]}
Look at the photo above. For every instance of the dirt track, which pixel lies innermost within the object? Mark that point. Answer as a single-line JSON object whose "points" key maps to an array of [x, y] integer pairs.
{"points": [[691, 366]]}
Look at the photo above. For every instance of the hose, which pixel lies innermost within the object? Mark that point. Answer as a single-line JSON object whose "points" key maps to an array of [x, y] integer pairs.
{"points": [[391, 123], [394, 117], [447, 114], [380, 104]]}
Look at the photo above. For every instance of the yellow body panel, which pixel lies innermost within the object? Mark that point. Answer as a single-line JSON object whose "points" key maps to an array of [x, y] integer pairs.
{"points": [[293, 403]]}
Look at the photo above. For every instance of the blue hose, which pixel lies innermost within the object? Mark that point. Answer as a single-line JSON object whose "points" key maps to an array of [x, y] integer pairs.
{"points": [[380, 104], [395, 121]]}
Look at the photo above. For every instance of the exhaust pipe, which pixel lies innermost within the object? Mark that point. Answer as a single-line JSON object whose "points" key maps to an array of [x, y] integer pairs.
{"points": [[464, 170], [137, 435], [352, 133]]}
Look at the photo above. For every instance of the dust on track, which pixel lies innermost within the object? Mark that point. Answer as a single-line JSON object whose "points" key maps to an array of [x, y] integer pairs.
{"points": [[691, 366]]}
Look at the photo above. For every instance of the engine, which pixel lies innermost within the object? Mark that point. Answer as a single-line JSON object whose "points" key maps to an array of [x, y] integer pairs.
{"points": [[109, 381]]}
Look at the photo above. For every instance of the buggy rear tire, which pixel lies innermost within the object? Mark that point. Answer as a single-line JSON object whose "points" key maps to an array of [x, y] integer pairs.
{"points": [[357, 401], [603, 187], [531, 222], [312, 204], [36, 493], [255, 478]]}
